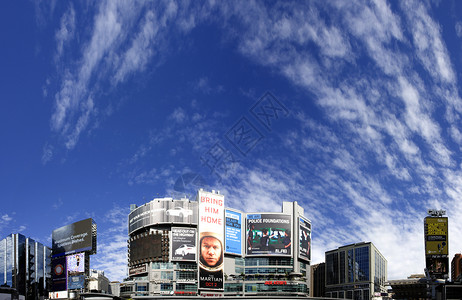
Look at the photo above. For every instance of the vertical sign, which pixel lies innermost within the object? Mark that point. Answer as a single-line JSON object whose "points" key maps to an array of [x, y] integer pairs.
{"points": [[211, 224], [233, 232], [183, 244], [436, 246], [304, 231]]}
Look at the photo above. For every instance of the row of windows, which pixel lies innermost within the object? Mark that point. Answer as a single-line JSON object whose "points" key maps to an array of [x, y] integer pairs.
{"points": [[261, 287], [350, 294], [356, 260], [268, 270], [269, 261]]}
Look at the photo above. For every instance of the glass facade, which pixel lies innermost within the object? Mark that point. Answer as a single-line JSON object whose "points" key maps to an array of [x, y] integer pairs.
{"points": [[355, 272], [25, 266]]}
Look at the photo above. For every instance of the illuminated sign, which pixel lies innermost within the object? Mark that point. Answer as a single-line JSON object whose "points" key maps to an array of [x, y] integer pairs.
{"points": [[269, 234], [76, 237], [269, 282], [436, 245], [304, 232], [233, 232]]}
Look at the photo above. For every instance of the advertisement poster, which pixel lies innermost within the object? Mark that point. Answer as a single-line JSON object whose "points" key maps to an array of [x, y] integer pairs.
{"points": [[183, 244], [59, 274], [75, 237], [76, 282], [437, 266], [162, 211], [436, 236], [75, 263], [304, 231], [211, 250], [233, 232], [269, 234]]}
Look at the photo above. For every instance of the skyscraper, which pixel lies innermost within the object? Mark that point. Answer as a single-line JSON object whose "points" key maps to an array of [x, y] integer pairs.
{"points": [[25, 265]]}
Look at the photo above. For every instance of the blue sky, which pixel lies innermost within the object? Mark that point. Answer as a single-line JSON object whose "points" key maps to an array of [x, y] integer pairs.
{"points": [[350, 108]]}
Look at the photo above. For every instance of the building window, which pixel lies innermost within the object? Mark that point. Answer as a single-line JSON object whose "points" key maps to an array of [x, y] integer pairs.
{"points": [[166, 286], [362, 264], [166, 275]]}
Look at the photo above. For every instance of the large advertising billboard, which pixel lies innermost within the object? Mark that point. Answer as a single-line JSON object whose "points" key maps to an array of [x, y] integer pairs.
{"points": [[75, 263], [59, 274], [436, 246], [233, 232], [211, 225], [269, 234], [76, 237], [183, 244], [160, 211], [304, 232], [145, 246], [436, 236]]}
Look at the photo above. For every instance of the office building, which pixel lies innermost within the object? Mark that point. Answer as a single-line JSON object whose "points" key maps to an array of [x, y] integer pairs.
{"points": [[456, 268], [356, 271], [25, 265], [171, 244], [412, 288], [97, 282], [318, 280]]}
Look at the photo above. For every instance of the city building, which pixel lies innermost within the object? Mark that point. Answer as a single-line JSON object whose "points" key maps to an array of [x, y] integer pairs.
{"points": [[183, 247], [356, 271], [114, 288], [97, 282], [318, 280], [25, 265], [456, 268], [412, 288]]}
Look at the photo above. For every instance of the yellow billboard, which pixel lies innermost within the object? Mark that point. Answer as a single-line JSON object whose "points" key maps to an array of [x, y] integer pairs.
{"points": [[436, 236]]}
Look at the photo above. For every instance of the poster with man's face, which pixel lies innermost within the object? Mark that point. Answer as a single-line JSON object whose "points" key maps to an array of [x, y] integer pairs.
{"points": [[211, 241]]}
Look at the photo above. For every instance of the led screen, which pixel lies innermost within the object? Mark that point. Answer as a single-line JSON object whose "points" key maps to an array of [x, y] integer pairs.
{"points": [[233, 232], [145, 247], [77, 237], [269, 234], [162, 211], [304, 231]]}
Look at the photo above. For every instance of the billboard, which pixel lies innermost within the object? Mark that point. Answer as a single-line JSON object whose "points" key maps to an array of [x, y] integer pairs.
{"points": [[437, 265], [76, 237], [269, 234], [304, 232], [59, 274], [160, 211], [436, 236], [211, 225], [183, 244], [436, 245], [76, 282], [233, 232], [75, 263], [145, 246]]}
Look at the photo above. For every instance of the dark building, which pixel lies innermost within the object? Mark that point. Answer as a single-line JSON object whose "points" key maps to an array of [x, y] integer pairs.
{"points": [[25, 265], [412, 288], [456, 267], [318, 280]]}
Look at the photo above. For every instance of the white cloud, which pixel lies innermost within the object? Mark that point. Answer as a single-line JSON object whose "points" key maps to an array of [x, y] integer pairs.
{"points": [[66, 31]]}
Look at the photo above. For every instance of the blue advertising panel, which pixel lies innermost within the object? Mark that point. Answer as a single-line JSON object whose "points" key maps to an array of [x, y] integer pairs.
{"points": [[76, 282], [233, 232]]}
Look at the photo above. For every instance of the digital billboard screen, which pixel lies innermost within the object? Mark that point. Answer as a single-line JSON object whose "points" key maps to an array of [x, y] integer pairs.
{"points": [[59, 274], [183, 244], [233, 232], [76, 282], [143, 247], [76, 237], [211, 250], [438, 266], [269, 234], [161, 211], [436, 236], [75, 263], [304, 231]]}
